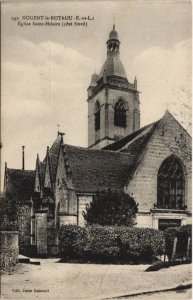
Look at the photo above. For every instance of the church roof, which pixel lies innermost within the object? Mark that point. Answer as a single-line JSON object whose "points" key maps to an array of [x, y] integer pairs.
{"points": [[20, 183], [113, 35], [140, 136], [42, 170], [53, 155], [135, 144], [94, 170], [113, 66]]}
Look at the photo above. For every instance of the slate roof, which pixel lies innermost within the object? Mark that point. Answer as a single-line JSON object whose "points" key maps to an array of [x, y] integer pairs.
{"points": [[94, 170], [145, 132], [113, 66], [20, 183], [53, 154], [91, 170], [42, 171], [135, 144]]}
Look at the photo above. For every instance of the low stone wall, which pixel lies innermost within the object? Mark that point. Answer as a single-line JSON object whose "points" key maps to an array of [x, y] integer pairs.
{"points": [[9, 243]]}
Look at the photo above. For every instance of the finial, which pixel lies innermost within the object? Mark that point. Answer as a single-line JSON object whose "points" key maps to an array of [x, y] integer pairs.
{"points": [[114, 22], [61, 134], [48, 149], [58, 125]]}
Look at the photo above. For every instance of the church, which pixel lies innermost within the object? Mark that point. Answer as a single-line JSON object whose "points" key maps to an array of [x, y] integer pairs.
{"points": [[152, 163]]}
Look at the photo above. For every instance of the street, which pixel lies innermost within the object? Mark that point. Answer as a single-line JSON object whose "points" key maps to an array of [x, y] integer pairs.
{"points": [[52, 280]]}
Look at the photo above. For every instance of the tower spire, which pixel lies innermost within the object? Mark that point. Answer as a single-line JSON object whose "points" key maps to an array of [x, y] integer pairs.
{"points": [[114, 22]]}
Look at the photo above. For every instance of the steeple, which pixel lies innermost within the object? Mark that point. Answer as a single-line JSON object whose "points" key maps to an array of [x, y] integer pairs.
{"points": [[113, 41], [113, 102], [113, 64]]}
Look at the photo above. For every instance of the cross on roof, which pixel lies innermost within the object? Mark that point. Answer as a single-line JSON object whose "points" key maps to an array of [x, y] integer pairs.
{"points": [[61, 133]]}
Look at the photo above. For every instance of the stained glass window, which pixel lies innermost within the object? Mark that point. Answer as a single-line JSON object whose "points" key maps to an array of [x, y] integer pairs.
{"points": [[170, 184]]}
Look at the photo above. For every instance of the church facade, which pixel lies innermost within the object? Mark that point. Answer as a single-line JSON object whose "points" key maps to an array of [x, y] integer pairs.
{"points": [[153, 163]]}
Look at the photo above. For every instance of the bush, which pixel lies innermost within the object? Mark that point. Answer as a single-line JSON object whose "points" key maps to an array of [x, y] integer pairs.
{"points": [[68, 238], [140, 244], [102, 243], [182, 233], [110, 208], [110, 243]]}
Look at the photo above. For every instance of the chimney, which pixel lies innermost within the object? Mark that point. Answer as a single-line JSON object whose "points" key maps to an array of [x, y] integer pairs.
{"points": [[135, 82], [23, 158]]}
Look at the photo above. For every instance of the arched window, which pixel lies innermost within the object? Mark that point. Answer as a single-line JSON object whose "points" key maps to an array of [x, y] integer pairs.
{"points": [[170, 184], [97, 116], [120, 114]]}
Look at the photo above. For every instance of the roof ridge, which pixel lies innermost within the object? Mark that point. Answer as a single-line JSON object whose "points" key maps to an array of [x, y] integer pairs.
{"points": [[11, 169], [97, 150], [179, 123], [144, 149], [129, 137]]}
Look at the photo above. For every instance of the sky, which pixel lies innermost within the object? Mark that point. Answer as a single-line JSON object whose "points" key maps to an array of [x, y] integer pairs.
{"points": [[46, 70]]}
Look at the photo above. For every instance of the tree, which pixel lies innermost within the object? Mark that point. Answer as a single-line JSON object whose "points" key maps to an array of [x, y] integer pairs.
{"points": [[111, 208], [9, 210]]}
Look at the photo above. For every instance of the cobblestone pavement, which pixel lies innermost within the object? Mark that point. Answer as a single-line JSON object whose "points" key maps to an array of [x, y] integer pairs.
{"points": [[52, 280]]}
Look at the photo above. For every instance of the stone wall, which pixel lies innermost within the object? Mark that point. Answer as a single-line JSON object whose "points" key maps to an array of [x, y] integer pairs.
{"points": [[107, 128], [162, 144], [41, 232], [68, 220], [9, 249], [25, 226]]}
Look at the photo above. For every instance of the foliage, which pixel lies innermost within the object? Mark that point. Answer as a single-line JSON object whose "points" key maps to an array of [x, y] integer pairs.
{"points": [[110, 243], [140, 244], [9, 209], [182, 234], [111, 208], [102, 243], [69, 236]]}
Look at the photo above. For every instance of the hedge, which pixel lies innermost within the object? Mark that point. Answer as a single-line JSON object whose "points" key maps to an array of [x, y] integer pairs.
{"points": [[110, 243], [140, 244], [182, 233]]}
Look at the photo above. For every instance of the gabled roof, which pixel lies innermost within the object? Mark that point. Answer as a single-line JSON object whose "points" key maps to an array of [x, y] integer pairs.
{"points": [[94, 170], [135, 144], [144, 132], [53, 157], [112, 167], [20, 184], [42, 166]]}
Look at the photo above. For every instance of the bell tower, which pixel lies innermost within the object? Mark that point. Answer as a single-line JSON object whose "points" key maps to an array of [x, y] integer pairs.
{"points": [[113, 102]]}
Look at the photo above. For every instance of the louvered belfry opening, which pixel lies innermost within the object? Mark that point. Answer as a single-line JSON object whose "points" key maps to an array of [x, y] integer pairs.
{"points": [[171, 184], [120, 118]]}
